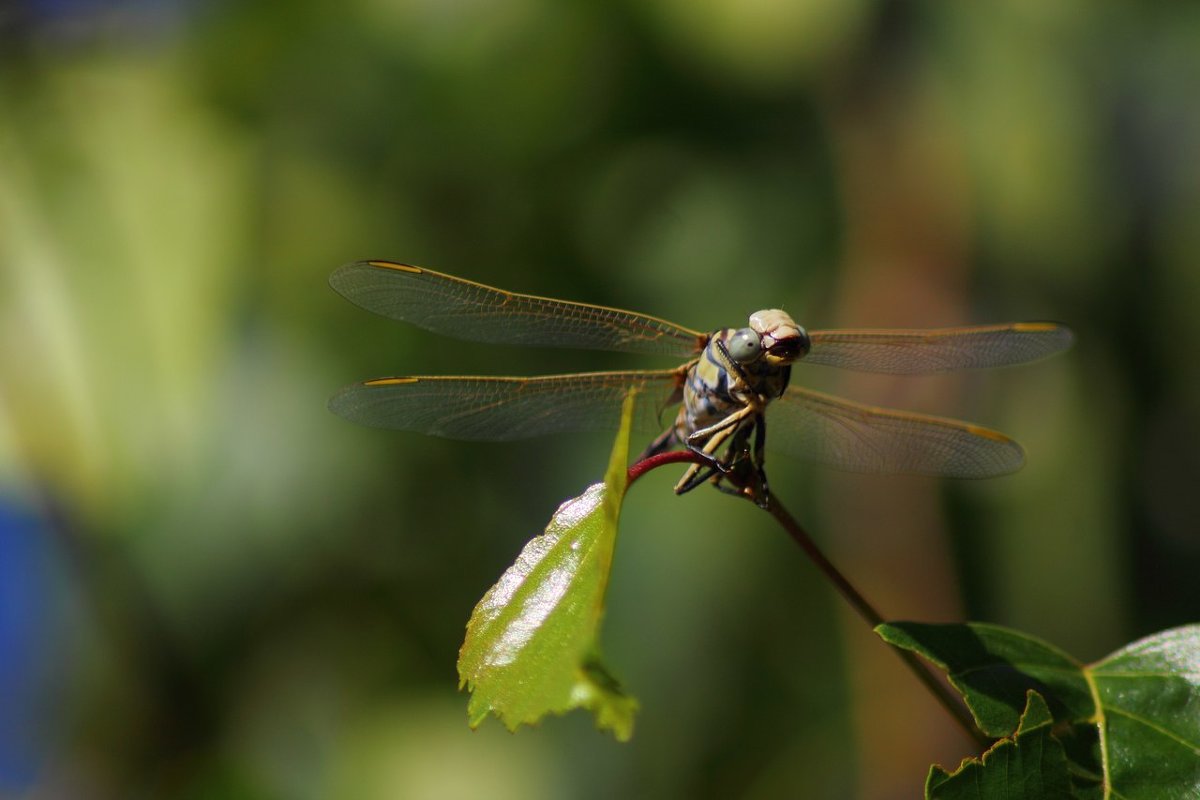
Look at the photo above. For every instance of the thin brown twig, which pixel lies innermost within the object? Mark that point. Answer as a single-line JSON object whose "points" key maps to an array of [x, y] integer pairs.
{"points": [[942, 693], [752, 492]]}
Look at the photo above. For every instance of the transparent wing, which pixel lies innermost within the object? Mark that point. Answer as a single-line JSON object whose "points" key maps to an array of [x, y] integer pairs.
{"points": [[847, 435], [467, 310], [503, 409], [915, 352]]}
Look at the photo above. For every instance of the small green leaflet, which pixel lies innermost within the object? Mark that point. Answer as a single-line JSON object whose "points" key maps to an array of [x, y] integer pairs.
{"points": [[531, 646], [1128, 724]]}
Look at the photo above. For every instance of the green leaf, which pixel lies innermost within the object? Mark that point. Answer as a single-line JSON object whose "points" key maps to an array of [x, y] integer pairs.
{"points": [[531, 646], [993, 667], [1129, 724], [1031, 765], [1149, 697]]}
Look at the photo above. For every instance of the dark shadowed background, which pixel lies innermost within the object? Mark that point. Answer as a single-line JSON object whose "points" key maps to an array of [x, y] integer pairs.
{"points": [[212, 587]]}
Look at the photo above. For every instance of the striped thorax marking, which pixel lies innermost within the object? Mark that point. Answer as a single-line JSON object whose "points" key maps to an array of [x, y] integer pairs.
{"points": [[739, 368]]}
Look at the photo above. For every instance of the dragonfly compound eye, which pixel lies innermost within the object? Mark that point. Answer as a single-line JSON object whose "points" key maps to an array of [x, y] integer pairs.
{"points": [[791, 347], [745, 346]]}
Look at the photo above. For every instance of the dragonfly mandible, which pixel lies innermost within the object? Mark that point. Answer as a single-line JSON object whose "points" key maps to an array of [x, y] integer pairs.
{"points": [[732, 383]]}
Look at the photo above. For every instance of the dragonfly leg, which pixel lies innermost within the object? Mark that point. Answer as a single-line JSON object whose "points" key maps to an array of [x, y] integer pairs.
{"points": [[716, 436], [725, 426], [694, 477], [744, 475], [699, 473], [713, 437], [760, 456], [735, 457]]}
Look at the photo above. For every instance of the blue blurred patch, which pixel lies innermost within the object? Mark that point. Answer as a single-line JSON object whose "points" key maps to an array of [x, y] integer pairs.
{"points": [[26, 601], [95, 20]]}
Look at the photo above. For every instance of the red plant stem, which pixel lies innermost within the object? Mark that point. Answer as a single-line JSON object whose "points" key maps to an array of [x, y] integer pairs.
{"points": [[640, 468], [949, 701]]}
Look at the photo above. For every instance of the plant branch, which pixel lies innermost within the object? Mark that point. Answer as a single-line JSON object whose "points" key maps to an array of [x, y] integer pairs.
{"points": [[942, 693], [750, 488]]}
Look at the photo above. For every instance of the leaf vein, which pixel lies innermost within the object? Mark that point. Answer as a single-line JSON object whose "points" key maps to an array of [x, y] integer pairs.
{"points": [[1166, 732]]}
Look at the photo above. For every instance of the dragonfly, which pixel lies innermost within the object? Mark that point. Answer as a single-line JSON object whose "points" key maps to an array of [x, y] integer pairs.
{"points": [[732, 383]]}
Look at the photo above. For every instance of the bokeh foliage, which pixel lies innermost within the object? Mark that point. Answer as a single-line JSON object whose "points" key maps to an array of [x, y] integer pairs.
{"points": [[212, 587]]}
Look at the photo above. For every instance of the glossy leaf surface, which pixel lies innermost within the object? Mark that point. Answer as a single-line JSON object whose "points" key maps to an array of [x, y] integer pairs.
{"points": [[531, 645], [1149, 695]]}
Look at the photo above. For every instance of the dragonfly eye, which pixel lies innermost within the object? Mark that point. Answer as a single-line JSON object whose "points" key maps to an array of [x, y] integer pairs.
{"points": [[745, 346], [793, 347]]}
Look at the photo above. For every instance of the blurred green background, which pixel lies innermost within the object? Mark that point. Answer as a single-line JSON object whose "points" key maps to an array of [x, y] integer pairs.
{"points": [[211, 587]]}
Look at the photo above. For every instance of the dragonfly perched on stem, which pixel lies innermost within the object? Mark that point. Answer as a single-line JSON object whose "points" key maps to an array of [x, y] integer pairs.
{"points": [[732, 383]]}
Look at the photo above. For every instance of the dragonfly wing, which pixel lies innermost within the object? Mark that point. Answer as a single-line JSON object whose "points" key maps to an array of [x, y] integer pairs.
{"points": [[503, 409], [860, 438], [468, 310], [916, 352]]}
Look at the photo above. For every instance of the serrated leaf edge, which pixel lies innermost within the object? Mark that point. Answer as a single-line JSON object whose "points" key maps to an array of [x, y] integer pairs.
{"points": [[983, 758]]}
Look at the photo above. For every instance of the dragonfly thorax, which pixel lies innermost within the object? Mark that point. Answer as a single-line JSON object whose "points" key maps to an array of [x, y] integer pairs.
{"points": [[740, 369]]}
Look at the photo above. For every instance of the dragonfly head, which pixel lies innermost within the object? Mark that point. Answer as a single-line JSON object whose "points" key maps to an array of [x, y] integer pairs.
{"points": [[783, 341]]}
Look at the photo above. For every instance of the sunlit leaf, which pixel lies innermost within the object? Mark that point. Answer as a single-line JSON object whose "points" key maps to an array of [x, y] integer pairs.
{"points": [[1129, 723], [531, 646], [1031, 765]]}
